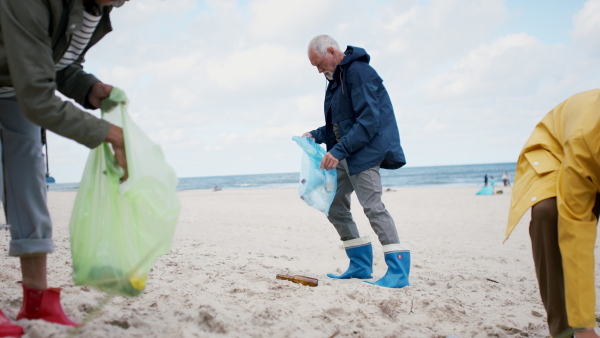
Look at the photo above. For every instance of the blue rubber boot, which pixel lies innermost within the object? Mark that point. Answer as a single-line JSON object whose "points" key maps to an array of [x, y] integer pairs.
{"points": [[360, 252], [398, 261]]}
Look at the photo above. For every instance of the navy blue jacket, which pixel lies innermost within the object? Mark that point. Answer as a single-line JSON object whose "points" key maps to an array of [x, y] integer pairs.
{"points": [[359, 104]]}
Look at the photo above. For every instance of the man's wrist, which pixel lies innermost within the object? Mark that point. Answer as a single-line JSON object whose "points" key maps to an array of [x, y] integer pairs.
{"points": [[86, 101]]}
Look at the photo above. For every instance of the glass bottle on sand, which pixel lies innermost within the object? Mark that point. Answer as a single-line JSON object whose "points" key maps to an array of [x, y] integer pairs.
{"points": [[300, 279]]}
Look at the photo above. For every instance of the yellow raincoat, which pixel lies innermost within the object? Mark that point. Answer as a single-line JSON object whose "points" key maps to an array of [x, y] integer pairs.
{"points": [[562, 159]]}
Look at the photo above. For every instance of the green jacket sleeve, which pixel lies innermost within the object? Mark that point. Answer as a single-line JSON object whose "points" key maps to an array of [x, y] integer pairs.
{"points": [[75, 83], [27, 44]]}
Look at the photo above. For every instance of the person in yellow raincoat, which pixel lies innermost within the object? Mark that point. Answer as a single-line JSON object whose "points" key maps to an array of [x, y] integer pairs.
{"points": [[558, 177]]}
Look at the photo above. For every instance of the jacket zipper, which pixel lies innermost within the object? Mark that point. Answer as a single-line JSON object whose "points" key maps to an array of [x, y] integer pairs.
{"points": [[341, 79]]}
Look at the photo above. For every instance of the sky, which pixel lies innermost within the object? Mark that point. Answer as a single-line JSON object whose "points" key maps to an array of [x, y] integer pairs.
{"points": [[223, 85]]}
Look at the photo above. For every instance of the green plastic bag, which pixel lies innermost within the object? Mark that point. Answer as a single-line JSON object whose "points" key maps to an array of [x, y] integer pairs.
{"points": [[119, 230]]}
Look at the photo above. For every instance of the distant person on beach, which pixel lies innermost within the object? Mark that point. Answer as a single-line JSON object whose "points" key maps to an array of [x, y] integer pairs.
{"points": [[558, 177], [485, 180], [42, 46], [506, 179], [362, 136]]}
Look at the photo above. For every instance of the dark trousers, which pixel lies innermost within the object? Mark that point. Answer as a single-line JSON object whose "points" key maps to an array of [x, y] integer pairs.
{"points": [[547, 258]]}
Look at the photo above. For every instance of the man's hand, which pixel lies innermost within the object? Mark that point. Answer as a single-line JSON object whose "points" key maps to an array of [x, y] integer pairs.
{"points": [[308, 135], [98, 92], [329, 162], [115, 138]]}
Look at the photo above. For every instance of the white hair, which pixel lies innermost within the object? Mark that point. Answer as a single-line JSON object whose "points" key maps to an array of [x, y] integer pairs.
{"points": [[320, 43]]}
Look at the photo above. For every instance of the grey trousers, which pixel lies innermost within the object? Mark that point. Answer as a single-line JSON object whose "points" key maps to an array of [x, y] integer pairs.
{"points": [[23, 183], [367, 185]]}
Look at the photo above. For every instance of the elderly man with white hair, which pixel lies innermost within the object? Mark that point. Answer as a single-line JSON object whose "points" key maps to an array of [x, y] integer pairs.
{"points": [[362, 136]]}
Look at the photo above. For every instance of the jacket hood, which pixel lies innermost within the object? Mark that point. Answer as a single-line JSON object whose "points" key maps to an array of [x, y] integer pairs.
{"points": [[353, 54]]}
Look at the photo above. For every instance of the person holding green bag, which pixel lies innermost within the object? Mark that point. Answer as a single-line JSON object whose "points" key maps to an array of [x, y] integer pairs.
{"points": [[42, 46]]}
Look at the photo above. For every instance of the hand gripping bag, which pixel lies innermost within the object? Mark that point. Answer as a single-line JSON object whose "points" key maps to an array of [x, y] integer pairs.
{"points": [[119, 230], [317, 186]]}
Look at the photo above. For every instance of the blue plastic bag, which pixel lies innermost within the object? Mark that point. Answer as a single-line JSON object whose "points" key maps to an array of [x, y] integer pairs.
{"points": [[317, 186]]}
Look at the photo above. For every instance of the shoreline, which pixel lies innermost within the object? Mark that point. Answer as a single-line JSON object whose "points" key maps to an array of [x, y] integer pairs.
{"points": [[56, 187], [433, 176]]}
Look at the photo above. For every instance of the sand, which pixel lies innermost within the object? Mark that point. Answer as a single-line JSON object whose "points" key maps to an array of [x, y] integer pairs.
{"points": [[219, 278]]}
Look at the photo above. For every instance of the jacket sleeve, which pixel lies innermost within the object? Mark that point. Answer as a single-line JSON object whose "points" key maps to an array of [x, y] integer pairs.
{"points": [[29, 55], [577, 228], [75, 83], [319, 134], [362, 85]]}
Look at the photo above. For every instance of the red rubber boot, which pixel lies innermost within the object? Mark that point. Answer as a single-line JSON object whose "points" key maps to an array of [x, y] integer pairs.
{"points": [[45, 305], [8, 329]]}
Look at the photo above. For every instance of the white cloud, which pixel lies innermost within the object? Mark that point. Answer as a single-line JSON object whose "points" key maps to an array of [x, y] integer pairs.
{"points": [[510, 65], [586, 27], [434, 127], [309, 107], [229, 138], [402, 20], [285, 21], [425, 35], [252, 69]]}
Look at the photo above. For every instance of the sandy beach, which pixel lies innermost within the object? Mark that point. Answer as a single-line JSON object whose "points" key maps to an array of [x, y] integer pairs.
{"points": [[219, 278]]}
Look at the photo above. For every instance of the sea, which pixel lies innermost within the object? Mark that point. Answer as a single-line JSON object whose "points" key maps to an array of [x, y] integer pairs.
{"points": [[471, 175]]}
